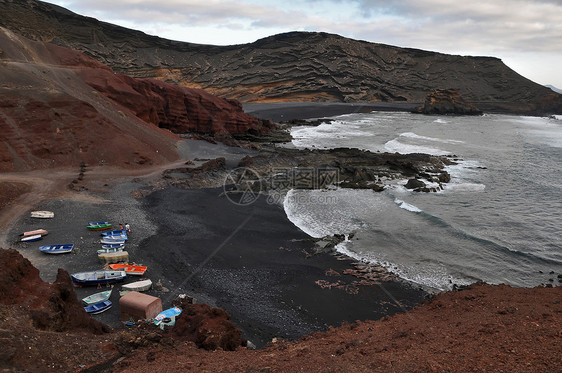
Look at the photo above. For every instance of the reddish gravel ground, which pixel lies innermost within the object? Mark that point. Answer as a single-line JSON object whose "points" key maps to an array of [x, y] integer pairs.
{"points": [[480, 329]]}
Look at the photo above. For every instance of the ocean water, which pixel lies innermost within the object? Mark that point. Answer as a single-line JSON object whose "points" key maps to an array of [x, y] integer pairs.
{"points": [[499, 220]]}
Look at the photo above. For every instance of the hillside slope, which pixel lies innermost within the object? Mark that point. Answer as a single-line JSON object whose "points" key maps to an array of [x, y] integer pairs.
{"points": [[59, 107], [296, 66]]}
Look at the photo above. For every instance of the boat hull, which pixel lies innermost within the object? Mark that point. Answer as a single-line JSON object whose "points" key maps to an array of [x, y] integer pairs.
{"points": [[97, 298], [99, 227], [35, 237], [138, 286], [57, 249], [97, 277], [98, 307], [42, 214], [130, 269], [42, 232]]}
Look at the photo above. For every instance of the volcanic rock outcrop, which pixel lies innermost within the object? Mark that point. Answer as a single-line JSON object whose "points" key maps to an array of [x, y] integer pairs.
{"points": [[59, 107], [52, 307], [295, 66], [447, 101]]}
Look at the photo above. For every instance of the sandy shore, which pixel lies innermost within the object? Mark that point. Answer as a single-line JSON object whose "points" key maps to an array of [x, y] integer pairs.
{"points": [[249, 260]]}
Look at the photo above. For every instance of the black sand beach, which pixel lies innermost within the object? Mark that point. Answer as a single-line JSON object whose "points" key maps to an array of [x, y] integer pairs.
{"points": [[287, 111], [249, 260]]}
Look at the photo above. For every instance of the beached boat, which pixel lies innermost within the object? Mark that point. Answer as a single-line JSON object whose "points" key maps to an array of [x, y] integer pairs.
{"points": [[112, 245], [98, 307], [57, 249], [130, 269], [114, 236], [110, 240], [42, 232], [97, 222], [35, 237], [97, 277], [42, 214], [114, 233], [115, 257], [110, 250], [143, 285], [167, 314], [99, 226], [97, 298]]}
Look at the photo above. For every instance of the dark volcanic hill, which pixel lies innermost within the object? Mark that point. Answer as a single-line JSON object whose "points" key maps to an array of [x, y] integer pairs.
{"points": [[297, 66]]}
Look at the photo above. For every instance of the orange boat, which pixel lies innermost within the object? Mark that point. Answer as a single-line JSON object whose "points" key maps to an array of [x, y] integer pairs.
{"points": [[130, 269], [41, 232]]}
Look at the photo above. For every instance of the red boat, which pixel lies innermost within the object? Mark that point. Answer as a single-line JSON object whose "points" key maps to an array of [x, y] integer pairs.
{"points": [[129, 269]]}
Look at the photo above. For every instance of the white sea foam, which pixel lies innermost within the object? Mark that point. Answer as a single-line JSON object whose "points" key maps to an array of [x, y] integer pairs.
{"points": [[440, 121], [321, 213], [395, 146], [406, 206], [431, 275], [415, 136], [464, 187]]}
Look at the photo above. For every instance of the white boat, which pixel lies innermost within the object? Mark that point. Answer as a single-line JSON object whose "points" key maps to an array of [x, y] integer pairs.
{"points": [[97, 298], [138, 285], [108, 240], [107, 250], [35, 237], [42, 214], [97, 277]]}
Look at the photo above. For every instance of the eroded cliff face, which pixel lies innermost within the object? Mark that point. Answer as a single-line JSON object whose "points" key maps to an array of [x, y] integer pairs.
{"points": [[296, 66], [59, 107]]}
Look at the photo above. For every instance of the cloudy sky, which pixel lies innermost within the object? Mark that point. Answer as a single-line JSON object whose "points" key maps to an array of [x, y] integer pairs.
{"points": [[525, 34]]}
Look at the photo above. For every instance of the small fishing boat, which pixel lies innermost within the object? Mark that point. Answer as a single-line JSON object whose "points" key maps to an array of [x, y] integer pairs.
{"points": [[114, 233], [42, 232], [97, 277], [110, 240], [97, 298], [57, 249], [98, 226], [143, 285], [98, 307], [111, 249], [42, 214], [35, 237], [167, 314], [97, 222], [112, 245], [130, 269]]}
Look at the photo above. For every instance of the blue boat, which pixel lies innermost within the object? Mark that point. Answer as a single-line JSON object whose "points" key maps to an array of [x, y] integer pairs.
{"points": [[97, 277], [98, 222], [118, 232], [115, 236], [35, 237], [170, 313], [57, 249], [98, 307], [112, 245]]}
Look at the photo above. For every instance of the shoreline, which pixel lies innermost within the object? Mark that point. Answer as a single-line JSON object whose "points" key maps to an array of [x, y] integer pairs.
{"points": [[265, 274], [286, 111]]}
